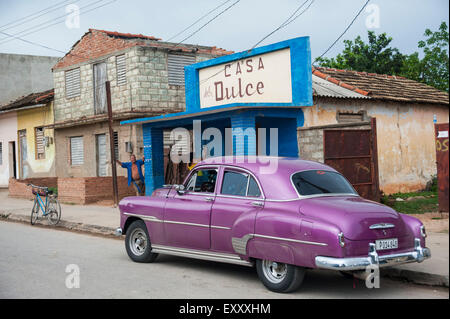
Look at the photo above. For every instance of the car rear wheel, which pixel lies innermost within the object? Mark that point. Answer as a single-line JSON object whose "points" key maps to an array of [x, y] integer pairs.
{"points": [[137, 243], [280, 277]]}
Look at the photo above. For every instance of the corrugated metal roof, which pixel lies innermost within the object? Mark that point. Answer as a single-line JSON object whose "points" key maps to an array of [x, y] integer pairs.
{"points": [[324, 88]]}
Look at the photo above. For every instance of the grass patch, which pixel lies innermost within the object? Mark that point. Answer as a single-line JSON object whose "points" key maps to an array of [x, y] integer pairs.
{"points": [[414, 206]]}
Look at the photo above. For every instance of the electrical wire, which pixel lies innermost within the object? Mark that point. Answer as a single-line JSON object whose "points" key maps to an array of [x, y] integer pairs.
{"points": [[63, 17], [199, 19], [342, 34]]}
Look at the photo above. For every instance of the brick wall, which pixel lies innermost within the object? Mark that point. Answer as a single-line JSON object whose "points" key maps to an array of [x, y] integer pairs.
{"points": [[310, 139], [87, 190], [19, 189]]}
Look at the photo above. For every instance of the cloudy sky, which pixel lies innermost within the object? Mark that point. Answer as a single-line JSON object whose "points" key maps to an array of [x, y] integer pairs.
{"points": [[239, 28]]}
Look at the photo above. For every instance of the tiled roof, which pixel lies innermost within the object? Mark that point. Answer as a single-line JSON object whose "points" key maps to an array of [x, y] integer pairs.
{"points": [[323, 88], [384, 87], [97, 43], [126, 35], [29, 100]]}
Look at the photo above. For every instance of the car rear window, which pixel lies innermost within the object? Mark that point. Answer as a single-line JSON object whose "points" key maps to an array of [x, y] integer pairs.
{"points": [[321, 182]]}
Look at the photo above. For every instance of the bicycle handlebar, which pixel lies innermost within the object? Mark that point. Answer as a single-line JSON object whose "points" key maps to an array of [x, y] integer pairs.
{"points": [[39, 187]]}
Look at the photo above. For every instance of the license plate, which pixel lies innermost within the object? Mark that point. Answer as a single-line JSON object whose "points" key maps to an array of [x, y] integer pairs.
{"points": [[383, 244]]}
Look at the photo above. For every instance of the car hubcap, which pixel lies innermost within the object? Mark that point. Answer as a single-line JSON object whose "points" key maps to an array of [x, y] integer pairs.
{"points": [[274, 272], [138, 242]]}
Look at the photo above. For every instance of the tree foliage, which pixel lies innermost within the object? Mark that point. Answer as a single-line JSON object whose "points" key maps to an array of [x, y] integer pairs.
{"points": [[377, 56]]}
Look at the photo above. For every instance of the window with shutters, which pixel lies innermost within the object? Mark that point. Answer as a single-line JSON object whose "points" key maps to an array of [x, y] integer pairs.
{"points": [[175, 67], [1, 153], [76, 150], [39, 142], [73, 83], [121, 69]]}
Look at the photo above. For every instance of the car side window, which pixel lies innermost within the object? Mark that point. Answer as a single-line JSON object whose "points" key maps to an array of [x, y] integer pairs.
{"points": [[202, 181], [239, 184], [234, 183], [253, 188]]}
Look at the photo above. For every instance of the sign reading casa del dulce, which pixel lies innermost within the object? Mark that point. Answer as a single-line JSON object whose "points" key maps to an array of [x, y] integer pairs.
{"points": [[256, 79]]}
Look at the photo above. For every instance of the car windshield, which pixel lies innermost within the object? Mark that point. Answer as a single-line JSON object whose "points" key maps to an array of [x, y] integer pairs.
{"points": [[321, 182]]}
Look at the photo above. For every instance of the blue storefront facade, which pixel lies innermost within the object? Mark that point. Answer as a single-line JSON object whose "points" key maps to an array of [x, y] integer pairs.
{"points": [[247, 103]]}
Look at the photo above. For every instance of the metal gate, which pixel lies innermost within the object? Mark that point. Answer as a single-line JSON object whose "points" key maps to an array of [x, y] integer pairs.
{"points": [[441, 131], [353, 153]]}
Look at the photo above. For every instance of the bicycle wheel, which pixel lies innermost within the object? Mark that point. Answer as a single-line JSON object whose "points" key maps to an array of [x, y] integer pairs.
{"points": [[35, 212], [53, 211]]}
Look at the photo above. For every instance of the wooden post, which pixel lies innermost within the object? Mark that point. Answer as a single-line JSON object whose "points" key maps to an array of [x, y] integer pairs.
{"points": [[111, 144]]}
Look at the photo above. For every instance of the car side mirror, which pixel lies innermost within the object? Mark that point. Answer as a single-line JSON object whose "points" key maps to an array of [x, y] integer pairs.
{"points": [[180, 189]]}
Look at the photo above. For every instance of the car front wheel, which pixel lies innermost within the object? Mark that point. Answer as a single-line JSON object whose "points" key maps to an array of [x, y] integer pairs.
{"points": [[279, 277], [137, 243]]}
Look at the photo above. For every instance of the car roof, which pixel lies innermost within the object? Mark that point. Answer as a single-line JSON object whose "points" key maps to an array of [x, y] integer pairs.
{"points": [[273, 173]]}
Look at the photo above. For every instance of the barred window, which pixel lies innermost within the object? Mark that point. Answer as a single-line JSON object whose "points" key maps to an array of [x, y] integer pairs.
{"points": [[76, 150], [39, 142], [73, 83]]}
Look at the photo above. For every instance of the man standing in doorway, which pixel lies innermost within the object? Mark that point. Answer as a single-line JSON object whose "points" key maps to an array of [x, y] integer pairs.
{"points": [[135, 175]]}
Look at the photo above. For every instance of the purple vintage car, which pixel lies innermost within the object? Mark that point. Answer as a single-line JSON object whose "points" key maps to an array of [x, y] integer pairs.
{"points": [[302, 215]]}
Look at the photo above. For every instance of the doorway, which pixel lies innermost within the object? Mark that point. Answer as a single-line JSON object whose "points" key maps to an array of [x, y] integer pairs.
{"points": [[23, 169], [12, 160], [101, 154]]}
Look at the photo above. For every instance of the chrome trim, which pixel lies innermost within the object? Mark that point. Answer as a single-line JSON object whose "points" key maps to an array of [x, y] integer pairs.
{"points": [[291, 240], [423, 232], [185, 223], [381, 226], [240, 244], [118, 232], [157, 220], [341, 239], [221, 227], [419, 254], [200, 254], [145, 217]]}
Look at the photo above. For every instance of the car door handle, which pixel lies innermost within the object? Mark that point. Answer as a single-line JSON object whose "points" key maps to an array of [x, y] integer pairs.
{"points": [[258, 204], [209, 199]]}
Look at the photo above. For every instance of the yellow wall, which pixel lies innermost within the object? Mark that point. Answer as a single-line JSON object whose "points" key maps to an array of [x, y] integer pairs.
{"points": [[406, 143], [29, 120]]}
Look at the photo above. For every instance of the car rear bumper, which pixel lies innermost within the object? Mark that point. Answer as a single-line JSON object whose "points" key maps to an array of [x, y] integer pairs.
{"points": [[419, 254]]}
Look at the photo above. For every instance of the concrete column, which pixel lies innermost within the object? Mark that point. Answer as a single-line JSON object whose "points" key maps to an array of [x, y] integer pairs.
{"points": [[244, 134], [154, 158]]}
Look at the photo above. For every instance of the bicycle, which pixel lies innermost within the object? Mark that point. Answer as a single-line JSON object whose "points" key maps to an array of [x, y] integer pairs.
{"points": [[50, 209]]}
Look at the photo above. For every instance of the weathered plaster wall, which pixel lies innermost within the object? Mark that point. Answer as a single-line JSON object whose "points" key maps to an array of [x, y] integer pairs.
{"points": [[406, 146], [127, 133], [8, 133], [23, 74], [28, 120]]}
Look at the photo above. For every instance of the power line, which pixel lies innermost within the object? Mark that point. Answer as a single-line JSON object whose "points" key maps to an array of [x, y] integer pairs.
{"points": [[348, 27], [287, 22], [22, 33], [205, 15], [30, 15], [215, 17]]}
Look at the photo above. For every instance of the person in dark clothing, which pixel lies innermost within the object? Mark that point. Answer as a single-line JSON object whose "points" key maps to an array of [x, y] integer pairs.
{"points": [[135, 175]]}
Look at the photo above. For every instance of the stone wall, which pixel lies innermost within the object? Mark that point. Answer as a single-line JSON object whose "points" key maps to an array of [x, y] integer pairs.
{"points": [[147, 87], [19, 189]]}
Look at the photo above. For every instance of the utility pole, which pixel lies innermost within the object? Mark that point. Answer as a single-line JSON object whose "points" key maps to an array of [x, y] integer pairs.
{"points": [[111, 144]]}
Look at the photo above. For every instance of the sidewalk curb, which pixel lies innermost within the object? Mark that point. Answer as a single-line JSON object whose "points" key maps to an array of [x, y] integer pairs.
{"points": [[415, 277], [78, 227]]}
